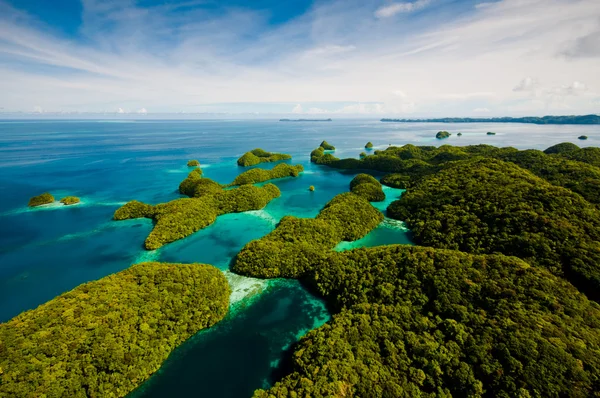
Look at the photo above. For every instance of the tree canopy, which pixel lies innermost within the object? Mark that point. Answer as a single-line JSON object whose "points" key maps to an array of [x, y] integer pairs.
{"points": [[104, 338], [254, 176], [491, 206], [179, 218], [42, 199], [258, 155]]}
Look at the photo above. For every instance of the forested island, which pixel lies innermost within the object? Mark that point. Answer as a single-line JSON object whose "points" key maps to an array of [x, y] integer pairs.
{"points": [[259, 155], [496, 300], [105, 338], [584, 119]]}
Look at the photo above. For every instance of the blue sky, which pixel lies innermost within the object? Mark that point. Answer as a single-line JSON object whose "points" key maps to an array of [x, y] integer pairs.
{"points": [[337, 58]]}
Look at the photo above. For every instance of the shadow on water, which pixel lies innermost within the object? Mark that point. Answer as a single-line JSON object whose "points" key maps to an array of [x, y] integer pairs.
{"points": [[242, 352]]}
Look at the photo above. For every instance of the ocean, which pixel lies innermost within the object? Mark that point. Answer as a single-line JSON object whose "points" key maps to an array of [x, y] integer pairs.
{"points": [[47, 251]]}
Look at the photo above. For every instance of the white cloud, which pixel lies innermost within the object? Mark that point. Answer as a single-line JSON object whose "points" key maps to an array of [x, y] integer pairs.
{"points": [[481, 110], [142, 111], [575, 88], [38, 109], [121, 111], [297, 109], [527, 84], [397, 8], [332, 54]]}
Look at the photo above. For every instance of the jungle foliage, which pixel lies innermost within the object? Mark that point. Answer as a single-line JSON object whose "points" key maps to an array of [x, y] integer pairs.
{"points": [[70, 200], [179, 218], [566, 165], [188, 186], [258, 155], [424, 322], [193, 163], [298, 243], [368, 187], [104, 338], [327, 146], [253, 176], [40, 200], [491, 206], [369, 145]]}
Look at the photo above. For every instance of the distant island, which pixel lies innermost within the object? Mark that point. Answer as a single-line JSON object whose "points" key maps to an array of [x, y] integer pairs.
{"points": [[585, 119], [305, 120]]}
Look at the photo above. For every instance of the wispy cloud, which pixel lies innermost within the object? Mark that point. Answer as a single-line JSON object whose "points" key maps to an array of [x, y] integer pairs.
{"points": [[397, 8], [131, 57]]}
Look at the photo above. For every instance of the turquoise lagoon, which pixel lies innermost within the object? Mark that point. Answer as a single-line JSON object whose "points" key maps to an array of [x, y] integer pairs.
{"points": [[47, 251]]}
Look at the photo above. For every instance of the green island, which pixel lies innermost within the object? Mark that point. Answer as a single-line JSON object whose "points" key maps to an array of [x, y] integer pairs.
{"points": [[490, 133], [257, 175], [327, 146], [491, 206], [362, 155], [583, 137], [40, 200], [368, 187], [459, 134], [297, 244], [424, 322], [258, 155], [193, 163], [207, 200], [442, 134], [583, 119], [577, 169], [70, 200], [369, 145], [104, 338]]}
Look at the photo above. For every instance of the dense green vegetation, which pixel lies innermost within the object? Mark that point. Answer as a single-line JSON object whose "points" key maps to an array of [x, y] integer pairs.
{"points": [[561, 148], [442, 134], [362, 155], [327, 146], [253, 176], [193, 163], [490, 206], [410, 163], [188, 186], [368, 187], [459, 134], [40, 200], [423, 322], [311, 188], [104, 338], [297, 244], [258, 155], [182, 217], [70, 200], [583, 137], [369, 145], [584, 119], [491, 133]]}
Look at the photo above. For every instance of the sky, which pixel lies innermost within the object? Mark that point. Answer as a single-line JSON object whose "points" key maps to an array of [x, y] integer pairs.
{"points": [[420, 58]]}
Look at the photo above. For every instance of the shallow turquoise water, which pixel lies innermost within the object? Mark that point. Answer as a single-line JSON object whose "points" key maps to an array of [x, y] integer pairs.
{"points": [[45, 252]]}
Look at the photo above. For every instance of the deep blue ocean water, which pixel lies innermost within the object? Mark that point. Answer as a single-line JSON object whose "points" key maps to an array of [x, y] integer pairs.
{"points": [[47, 251]]}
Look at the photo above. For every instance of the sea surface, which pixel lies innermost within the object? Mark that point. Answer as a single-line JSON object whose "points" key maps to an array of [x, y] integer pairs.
{"points": [[50, 250]]}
